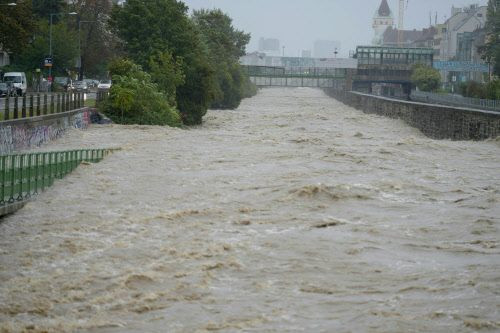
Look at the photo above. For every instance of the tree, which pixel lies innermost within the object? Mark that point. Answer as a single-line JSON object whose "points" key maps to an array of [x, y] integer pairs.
{"points": [[64, 48], [17, 26], [98, 44], [43, 8], [135, 99], [426, 78], [491, 51], [226, 45], [149, 28]]}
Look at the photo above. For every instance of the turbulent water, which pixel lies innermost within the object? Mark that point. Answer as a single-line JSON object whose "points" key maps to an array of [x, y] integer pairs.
{"points": [[294, 213]]}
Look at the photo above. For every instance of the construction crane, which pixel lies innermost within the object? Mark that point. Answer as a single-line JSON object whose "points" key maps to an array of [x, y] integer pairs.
{"points": [[401, 24]]}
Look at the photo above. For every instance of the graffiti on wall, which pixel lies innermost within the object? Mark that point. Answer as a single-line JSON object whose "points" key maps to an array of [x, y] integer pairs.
{"points": [[25, 135]]}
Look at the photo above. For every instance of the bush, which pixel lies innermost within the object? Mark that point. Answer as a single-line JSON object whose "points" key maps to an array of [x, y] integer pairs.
{"points": [[474, 89], [426, 78], [135, 99]]}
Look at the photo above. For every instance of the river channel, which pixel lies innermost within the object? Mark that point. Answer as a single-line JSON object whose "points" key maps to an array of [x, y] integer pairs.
{"points": [[294, 213]]}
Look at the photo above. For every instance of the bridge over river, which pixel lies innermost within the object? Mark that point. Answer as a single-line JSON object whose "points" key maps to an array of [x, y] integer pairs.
{"points": [[293, 213]]}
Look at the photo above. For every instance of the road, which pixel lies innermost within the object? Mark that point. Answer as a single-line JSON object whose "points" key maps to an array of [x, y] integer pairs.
{"points": [[294, 213]]}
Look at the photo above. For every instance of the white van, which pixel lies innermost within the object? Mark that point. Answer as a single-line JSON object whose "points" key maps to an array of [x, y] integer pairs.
{"points": [[18, 80]]}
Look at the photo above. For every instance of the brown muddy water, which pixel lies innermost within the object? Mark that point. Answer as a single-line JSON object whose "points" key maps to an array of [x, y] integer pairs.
{"points": [[294, 213]]}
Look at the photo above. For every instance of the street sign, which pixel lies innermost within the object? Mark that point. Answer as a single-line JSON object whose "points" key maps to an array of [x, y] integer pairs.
{"points": [[47, 62]]}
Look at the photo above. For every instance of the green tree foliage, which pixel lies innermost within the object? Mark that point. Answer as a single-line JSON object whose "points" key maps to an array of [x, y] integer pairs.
{"points": [[17, 26], [149, 28], [43, 8], [226, 45], [490, 90], [135, 99], [426, 78], [98, 44], [167, 73], [64, 48], [491, 50]]}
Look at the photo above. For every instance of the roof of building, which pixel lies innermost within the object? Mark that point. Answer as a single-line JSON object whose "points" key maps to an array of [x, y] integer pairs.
{"points": [[391, 36], [384, 9]]}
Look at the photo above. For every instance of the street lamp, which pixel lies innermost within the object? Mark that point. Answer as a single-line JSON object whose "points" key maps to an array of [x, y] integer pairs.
{"points": [[50, 41], [80, 72]]}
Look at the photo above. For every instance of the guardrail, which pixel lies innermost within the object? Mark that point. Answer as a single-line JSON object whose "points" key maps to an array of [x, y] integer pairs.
{"points": [[23, 176], [456, 100], [39, 105]]}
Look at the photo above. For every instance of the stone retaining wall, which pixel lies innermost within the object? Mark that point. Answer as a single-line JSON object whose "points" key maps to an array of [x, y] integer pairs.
{"points": [[435, 121], [25, 133]]}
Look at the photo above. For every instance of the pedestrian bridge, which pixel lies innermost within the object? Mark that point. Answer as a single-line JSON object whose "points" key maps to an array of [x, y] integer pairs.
{"points": [[272, 76]]}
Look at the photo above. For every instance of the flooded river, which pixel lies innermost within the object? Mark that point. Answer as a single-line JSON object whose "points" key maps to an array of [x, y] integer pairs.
{"points": [[294, 213]]}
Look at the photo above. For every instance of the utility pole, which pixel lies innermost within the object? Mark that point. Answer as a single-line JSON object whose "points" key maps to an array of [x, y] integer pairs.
{"points": [[401, 22]]}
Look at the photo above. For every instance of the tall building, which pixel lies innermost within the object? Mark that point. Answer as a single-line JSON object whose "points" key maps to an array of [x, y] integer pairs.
{"points": [[326, 48], [466, 19], [269, 46], [382, 20]]}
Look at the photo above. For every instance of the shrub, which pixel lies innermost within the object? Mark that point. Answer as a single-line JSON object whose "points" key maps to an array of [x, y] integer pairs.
{"points": [[135, 99], [426, 78]]}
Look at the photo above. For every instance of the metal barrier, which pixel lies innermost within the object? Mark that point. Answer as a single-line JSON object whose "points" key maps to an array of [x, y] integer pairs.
{"points": [[39, 105], [25, 175], [456, 100]]}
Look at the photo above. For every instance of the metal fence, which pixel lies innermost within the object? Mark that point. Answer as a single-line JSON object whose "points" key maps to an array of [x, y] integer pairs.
{"points": [[25, 175], [456, 100], [39, 104]]}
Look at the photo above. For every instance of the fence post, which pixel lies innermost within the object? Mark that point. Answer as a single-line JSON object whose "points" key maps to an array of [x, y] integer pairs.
{"points": [[2, 186], [63, 102], [31, 106], [16, 107], [23, 110], [52, 109], [58, 103], [38, 105], [7, 109], [45, 104]]}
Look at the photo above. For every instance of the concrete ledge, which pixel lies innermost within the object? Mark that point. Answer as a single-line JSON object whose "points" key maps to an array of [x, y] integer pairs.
{"points": [[434, 120], [36, 119], [11, 208], [20, 134]]}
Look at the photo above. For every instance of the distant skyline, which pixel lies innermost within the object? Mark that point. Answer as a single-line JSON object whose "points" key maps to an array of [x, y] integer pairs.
{"points": [[299, 23]]}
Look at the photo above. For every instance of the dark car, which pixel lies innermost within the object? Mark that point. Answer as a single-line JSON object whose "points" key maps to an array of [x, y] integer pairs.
{"points": [[6, 89]]}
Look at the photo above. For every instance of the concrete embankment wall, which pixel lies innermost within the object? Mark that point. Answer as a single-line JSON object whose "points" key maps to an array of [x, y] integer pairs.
{"points": [[24, 133], [435, 121]]}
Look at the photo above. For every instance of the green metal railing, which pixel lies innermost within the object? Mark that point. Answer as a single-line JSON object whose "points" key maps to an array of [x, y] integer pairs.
{"points": [[25, 175]]}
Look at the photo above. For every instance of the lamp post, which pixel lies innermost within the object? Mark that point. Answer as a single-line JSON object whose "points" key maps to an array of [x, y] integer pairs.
{"points": [[80, 72], [50, 42]]}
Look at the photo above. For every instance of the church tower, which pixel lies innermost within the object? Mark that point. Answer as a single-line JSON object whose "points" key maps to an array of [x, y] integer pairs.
{"points": [[382, 19]]}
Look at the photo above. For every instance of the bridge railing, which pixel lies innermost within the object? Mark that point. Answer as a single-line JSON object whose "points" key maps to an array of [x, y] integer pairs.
{"points": [[25, 175], [39, 104], [456, 100], [306, 72]]}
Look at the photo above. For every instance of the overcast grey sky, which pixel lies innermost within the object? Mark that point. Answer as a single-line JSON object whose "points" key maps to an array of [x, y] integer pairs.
{"points": [[298, 23]]}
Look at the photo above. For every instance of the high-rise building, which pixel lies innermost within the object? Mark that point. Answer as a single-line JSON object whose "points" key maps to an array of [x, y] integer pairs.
{"points": [[306, 54], [382, 20], [269, 46], [326, 48]]}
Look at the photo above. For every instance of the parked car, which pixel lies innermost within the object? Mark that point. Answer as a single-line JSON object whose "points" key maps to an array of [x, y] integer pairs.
{"points": [[104, 85], [91, 83], [64, 82], [6, 89], [80, 86], [18, 80]]}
